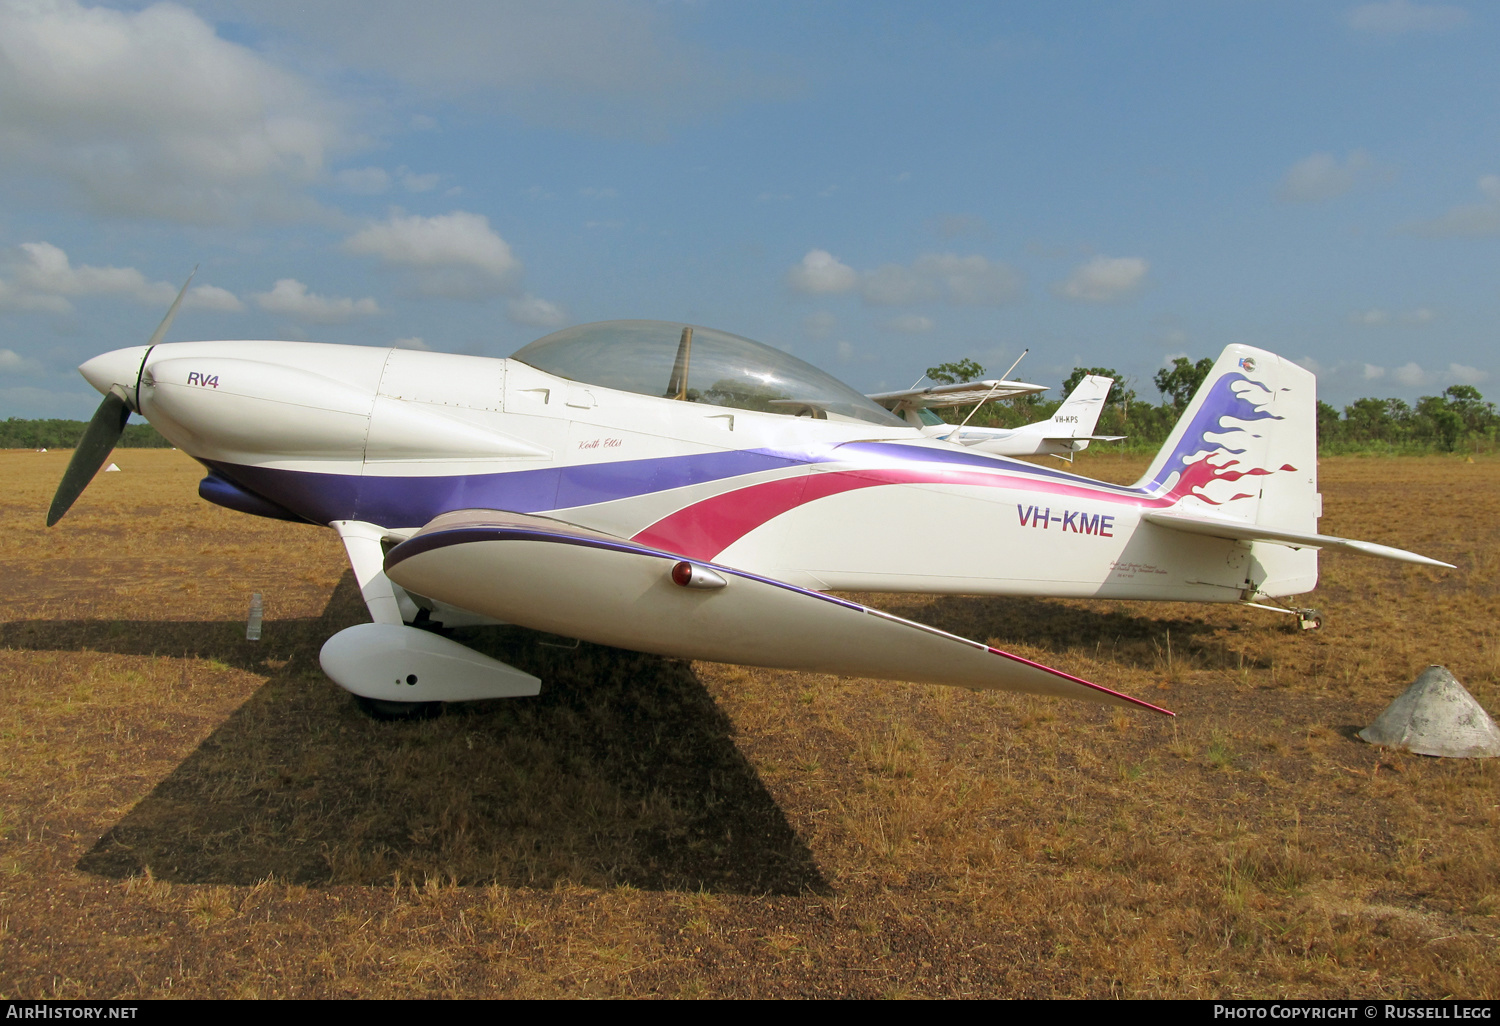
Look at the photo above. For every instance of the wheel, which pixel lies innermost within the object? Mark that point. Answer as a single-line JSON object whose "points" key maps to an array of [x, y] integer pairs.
{"points": [[1310, 623], [378, 709]]}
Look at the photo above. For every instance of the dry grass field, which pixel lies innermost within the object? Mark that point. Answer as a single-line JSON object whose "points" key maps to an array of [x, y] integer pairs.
{"points": [[183, 812]]}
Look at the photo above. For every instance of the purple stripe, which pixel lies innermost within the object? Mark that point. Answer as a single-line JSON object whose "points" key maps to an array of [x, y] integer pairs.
{"points": [[850, 451], [404, 501], [407, 501]]}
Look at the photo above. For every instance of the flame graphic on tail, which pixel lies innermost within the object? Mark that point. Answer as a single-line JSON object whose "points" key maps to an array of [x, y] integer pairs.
{"points": [[1205, 454]]}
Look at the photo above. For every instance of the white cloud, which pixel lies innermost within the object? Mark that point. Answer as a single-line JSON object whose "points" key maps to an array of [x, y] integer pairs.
{"points": [[591, 192], [365, 181], [536, 312], [820, 325], [1104, 280], [1398, 17], [1367, 379], [1322, 177], [457, 255], [820, 273], [13, 363], [1458, 374], [845, 350], [414, 342], [290, 298], [41, 277], [1482, 218], [932, 277], [1409, 375], [45, 269], [211, 297], [911, 325], [1377, 317], [151, 113]]}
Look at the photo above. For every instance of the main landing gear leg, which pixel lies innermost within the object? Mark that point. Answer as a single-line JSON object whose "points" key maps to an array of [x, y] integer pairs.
{"points": [[1307, 619]]}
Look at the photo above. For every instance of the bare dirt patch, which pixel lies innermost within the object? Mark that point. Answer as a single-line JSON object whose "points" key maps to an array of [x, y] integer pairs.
{"points": [[183, 812]]}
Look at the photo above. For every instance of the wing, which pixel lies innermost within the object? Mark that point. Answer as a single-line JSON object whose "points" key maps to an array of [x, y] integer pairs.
{"points": [[961, 394], [553, 576], [1241, 531]]}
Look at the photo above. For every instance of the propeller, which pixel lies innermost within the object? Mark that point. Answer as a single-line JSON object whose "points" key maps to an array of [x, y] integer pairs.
{"points": [[107, 425]]}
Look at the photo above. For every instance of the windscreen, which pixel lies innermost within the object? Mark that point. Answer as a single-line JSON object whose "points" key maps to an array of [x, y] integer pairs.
{"points": [[698, 365]]}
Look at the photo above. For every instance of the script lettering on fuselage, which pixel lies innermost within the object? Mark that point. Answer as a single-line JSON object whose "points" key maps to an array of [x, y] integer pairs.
{"points": [[206, 380], [601, 443], [1074, 520]]}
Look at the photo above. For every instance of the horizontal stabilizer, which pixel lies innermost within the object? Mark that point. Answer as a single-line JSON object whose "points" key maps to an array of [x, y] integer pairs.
{"points": [[1239, 531], [553, 576], [1084, 438]]}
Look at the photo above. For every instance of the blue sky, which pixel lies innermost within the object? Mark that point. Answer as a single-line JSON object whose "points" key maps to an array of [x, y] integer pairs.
{"points": [[876, 187]]}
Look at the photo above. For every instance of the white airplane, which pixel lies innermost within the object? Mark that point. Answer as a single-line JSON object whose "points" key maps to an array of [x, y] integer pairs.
{"points": [[683, 491], [1066, 432]]}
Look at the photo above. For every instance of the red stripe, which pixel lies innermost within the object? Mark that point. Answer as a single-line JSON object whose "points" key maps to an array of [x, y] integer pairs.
{"points": [[1080, 680], [706, 528]]}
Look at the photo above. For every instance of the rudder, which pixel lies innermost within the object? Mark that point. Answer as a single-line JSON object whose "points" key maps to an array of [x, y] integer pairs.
{"points": [[1246, 449]]}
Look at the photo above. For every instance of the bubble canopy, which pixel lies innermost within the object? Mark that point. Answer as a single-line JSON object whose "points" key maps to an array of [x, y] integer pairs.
{"points": [[698, 365]]}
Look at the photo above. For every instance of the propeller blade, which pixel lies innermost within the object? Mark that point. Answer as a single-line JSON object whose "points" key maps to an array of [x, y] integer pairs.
{"points": [[166, 322], [98, 442], [108, 424]]}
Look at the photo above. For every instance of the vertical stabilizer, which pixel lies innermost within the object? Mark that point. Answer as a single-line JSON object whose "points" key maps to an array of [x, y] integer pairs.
{"points": [[1246, 449], [1079, 414]]}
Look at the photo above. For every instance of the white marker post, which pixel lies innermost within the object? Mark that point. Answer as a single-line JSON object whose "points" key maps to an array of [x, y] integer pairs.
{"points": [[257, 611]]}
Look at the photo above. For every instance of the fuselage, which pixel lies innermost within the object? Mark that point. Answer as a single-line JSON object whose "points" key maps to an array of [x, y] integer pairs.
{"points": [[395, 437]]}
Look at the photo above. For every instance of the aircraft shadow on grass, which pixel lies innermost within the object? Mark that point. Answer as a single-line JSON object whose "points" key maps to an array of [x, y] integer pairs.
{"points": [[1125, 635], [622, 772]]}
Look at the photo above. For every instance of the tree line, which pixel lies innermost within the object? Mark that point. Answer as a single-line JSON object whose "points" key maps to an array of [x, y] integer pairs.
{"points": [[1457, 419], [64, 434]]}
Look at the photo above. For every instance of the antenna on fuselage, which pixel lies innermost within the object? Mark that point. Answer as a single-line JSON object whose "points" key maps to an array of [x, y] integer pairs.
{"points": [[677, 385], [1003, 378]]}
